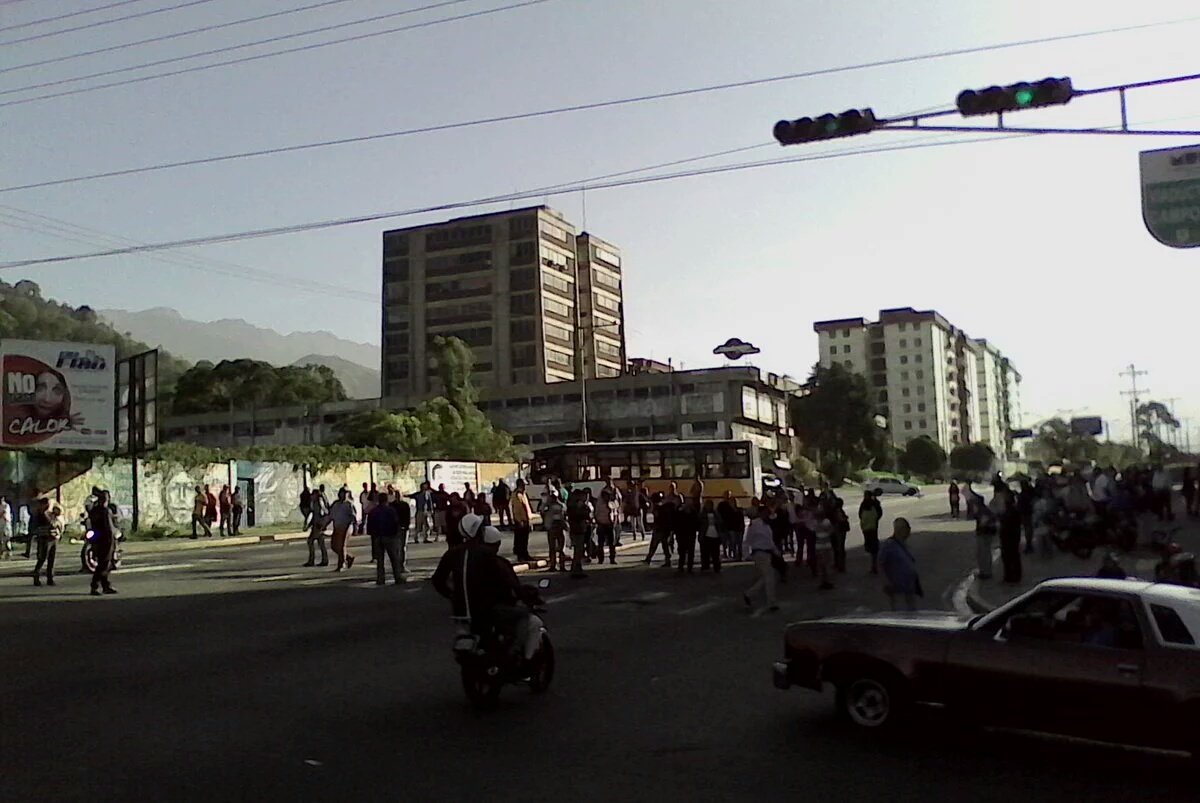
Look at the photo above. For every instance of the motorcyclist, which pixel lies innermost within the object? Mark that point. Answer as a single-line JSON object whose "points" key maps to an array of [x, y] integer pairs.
{"points": [[482, 587]]}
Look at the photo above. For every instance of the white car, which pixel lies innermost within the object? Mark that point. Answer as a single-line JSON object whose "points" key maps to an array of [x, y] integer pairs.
{"points": [[891, 485]]}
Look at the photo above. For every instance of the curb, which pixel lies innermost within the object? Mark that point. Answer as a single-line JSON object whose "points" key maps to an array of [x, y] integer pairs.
{"points": [[187, 544]]}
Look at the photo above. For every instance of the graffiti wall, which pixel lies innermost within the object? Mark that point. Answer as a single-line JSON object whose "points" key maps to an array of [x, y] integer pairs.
{"points": [[165, 496]]}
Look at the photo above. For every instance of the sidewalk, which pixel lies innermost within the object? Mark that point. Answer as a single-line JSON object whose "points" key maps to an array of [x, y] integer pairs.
{"points": [[985, 595]]}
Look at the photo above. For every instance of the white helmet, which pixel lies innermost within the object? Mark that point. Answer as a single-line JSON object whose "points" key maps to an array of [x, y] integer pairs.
{"points": [[490, 535], [470, 526]]}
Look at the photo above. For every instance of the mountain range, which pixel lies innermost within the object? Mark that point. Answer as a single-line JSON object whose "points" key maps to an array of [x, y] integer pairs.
{"points": [[355, 364]]}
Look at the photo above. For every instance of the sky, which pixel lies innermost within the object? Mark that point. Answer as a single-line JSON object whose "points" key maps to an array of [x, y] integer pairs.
{"points": [[1035, 243]]}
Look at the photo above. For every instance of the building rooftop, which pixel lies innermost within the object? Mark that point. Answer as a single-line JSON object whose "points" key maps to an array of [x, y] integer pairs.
{"points": [[482, 216]]}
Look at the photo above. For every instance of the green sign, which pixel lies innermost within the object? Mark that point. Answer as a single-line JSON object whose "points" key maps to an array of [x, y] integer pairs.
{"points": [[1171, 195]]}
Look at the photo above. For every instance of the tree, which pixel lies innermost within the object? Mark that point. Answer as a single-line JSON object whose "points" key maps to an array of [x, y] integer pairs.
{"points": [[835, 420], [923, 456], [1152, 419], [242, 384], [972, 458], [1119, 455], [1056, 442]]}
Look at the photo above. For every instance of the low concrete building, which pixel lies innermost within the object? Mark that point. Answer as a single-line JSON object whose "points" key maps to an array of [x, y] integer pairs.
{"points": [[730, 402]]}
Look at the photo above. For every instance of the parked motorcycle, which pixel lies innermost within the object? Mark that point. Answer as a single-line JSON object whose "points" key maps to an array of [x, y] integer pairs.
{"points": [[488, 661]]}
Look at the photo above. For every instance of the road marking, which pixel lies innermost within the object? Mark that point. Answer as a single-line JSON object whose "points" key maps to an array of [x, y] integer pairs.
{"points": [[562, 598], [651, 596], [704, 606], [276, 577], [160, 567]]}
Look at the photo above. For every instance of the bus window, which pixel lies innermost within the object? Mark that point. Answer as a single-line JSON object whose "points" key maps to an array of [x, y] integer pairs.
{"points": [[614, 464], [680, 463], [737, 462]]}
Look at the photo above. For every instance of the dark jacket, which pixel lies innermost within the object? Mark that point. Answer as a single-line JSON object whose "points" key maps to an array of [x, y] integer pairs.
{"points": [[731, 516], [403, 512], [476, 580], [383, 522]]}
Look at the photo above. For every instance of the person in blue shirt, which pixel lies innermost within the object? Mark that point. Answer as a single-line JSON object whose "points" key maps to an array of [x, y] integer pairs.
{"points": [[902, 583]]}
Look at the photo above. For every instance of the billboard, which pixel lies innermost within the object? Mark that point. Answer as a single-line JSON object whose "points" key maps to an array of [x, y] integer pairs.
{"points": [[1089, 425], [453, 474], [56, 395]]}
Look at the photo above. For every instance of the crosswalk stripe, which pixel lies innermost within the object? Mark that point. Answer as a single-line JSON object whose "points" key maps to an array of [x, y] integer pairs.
{"points": [[276, 577], [158, 567], [704, 606]]}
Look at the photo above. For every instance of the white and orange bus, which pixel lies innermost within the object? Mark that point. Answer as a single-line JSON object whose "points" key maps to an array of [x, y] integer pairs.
{"points": [[723, 465]]}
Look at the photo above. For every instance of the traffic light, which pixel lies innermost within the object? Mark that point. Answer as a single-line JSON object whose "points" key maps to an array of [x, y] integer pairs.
{"points": [[827, 126], [997, 99]]}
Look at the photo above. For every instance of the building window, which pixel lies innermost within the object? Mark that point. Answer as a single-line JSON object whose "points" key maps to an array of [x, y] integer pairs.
{"points": [[477, 336], [904, 376], [524, 356], [522, 304], [606, 371], [604, 302], [883, 396], [833, 349], [458, 237], [395, 244], [395, 269], [554, 307], [845, 333], [470, 312], [603, 278], [908, 425], [524, 253], [557, 284], [920, 390], [558, 359], [559, 334], [921, 407], [606, 349], [522, 279], [522, 330], [917, 342], [921, 375], [904, 359], [458, 288], [845, 349], [848, 364], [922, 424], [903, 343], [470, 262], [607, 256], [904, 392], [908, 408], [553, 232], [919, 358]]}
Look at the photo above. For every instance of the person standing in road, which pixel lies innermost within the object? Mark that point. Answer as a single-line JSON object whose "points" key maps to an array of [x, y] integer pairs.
{"points": [[345, 524], [686, 528], [554, 520], [870, 514], [1103, 485], [6, 527], [305, 506], [1189, 492], [236, 508], [403, 521], [45, 527], [581, 518], [635, 515], [225, 502], [522, 521], [316, 536], [760, 544], [710, 538], [1008, 517], [441, 501], [1025, 502], [733, 524], [954, 499], [985, 531], [210, 509], [608, 516], [456, 508], [501, 503], [198, 505], [901, 581], [841, 529], [104, 541], [383, 525], [1160, 483], [364, 497], [468, 495], [823, 530], [669, 507], [423, 501]]}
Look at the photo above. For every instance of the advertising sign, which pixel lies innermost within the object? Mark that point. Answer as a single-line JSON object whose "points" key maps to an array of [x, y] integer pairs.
{"points": [[56, 395], [1171, 195], [452, 474]]}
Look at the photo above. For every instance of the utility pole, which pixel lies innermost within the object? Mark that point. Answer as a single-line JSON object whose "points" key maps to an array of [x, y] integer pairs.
{"points": [[1133, 373]]}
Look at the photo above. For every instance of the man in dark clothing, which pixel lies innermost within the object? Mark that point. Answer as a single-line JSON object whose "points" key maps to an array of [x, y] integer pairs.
{"points": [[456, 508], [733, 523], [305, 507], [1025, 500], [383, 525], [665, 512], [1010, 530], [104, 539], [500, 499], [686, 524], [403, 520]]}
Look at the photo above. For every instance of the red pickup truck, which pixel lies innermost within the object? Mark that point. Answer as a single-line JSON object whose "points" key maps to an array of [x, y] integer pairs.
{"points": [[1111, 660]]}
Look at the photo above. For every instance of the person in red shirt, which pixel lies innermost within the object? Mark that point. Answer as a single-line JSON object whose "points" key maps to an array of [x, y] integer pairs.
{"points": [[210, 507]]}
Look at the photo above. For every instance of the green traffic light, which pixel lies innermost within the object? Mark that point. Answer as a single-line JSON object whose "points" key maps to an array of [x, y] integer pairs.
{"points": [[1023, 97]]}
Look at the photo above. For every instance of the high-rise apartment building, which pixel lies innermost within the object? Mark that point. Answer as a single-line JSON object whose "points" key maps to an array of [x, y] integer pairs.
{"points": [[927, 377], [504, 283]]}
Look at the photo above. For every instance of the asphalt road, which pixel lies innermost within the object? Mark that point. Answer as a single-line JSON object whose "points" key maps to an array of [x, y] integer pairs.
{"points": [[198, 684]]}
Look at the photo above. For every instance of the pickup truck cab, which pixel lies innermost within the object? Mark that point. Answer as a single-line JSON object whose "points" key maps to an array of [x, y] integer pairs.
{"points": [[1111, 660]]}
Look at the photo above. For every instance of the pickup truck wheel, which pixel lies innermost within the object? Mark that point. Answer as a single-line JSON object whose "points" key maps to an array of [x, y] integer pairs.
{"points": [[871, 700]]}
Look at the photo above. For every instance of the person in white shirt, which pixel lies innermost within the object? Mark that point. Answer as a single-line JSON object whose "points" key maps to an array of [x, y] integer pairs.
{"points": [[345, 523], [1160, 482], [760, 545], [1102, 490]]}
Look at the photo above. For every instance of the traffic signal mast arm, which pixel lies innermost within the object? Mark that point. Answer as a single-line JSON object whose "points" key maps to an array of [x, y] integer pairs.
{"points": [[994, 100]]}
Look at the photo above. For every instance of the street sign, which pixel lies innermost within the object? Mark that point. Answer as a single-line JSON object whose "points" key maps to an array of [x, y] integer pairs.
{"points": [[1171, 195]]}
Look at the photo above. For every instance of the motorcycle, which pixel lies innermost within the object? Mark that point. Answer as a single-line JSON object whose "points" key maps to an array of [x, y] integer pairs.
{"points": [[487, 660], [87, 554]]}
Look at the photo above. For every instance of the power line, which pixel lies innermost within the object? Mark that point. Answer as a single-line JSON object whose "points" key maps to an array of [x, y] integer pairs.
{"points": [[557, 189], [99, 23], [258, 56], [715, 87], [93, 10], [178, 34], [636, 99]]}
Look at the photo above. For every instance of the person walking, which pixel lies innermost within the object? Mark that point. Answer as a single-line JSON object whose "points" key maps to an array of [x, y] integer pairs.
{"points": [[841, 529], [423, 502], [902, 583], [669, 507], [236, 508], [954, 499], [1189, 492], [441, 501], [502, 503], [345, 524], [456, 509], [199, 502], [225, 505], [211, 509], [634, 502], [6, 527], [710, 538], [316, 534], [733, 524], [45, 528], [759, 543], [1160, 483], [364, 497], [305, 506], [608, 516], [104, 540], [1025, 501], [522, 521], [383, 525], [870, 514], [468, 495], [1008, 516]]}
